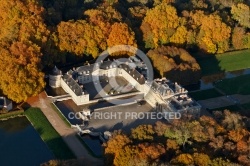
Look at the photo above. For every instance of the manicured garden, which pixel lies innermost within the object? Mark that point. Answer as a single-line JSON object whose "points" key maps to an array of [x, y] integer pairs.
{"points": [[229, 61], [49, 135], [238, 85], [205, 94]]}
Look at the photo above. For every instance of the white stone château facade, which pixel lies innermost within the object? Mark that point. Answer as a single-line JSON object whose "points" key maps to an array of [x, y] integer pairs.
{"points": [[161, 94]]}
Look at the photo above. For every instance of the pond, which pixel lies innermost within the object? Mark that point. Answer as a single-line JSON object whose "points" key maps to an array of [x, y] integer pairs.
{"points": [[20, 144]]}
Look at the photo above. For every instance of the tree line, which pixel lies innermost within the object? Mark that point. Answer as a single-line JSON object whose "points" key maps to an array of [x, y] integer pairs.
{"points": [[222, 140], [37, 34]]}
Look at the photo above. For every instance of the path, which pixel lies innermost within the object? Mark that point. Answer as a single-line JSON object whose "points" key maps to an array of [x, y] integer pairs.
{"points": [[67, 133], [225, 101]]}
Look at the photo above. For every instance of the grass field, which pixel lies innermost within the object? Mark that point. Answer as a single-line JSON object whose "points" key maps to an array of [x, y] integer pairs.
{"points": [[49, 135], [233, 108], [205, 94], [229, 61], [238, 85], [11, 114]]}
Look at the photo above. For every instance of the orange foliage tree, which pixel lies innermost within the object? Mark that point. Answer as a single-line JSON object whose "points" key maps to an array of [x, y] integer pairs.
{"points": [[176, 64], [22, 34], [19, 70]]}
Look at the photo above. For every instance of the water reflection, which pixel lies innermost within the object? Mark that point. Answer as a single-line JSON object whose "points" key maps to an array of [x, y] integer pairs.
{"points": [[20, 144]]}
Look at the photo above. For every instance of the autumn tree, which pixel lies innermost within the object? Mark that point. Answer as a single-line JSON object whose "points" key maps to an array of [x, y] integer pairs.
{"points": [[80, 38], [222, 162], [199, 4], [179, 132], [160, 128], [244, 159], [164, 144], [158, 2], [237, 135], [160, 24], [183, 159], [103, 17], [238, 38], [121, 34], [143, 132], [176, 64], [198, 132], [214, 35], [150, 152], [114, 146], [22, 35], [241, 13], [22, 21], [232, 120], [21, 77], [201, 159], [172, 144], [126, 156]]}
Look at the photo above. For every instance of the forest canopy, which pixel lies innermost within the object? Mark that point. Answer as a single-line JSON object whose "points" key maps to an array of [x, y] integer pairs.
{"points": [[223, 141], [36, 34]]}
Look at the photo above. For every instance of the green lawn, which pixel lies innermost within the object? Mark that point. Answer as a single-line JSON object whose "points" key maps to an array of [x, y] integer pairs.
{"points": [[205, 94], [11, 114], [49, 135], [229, 61], [237, 85], [233, 108]]}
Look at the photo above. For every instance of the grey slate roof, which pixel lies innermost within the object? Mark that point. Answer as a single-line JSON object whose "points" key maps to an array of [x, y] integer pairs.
{"points": [[74, 86], [134, 73], [4, 101], [56, 71]]}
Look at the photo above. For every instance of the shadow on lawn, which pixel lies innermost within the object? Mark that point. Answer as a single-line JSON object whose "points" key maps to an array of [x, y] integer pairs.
{"points": [[210, 65]]}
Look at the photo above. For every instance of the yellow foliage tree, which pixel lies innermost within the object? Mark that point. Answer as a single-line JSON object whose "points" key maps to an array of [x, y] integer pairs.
{"points": [[241, 13], [184, 158], [214, 35], [201, 159], [80, 38], [159, 25]]}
